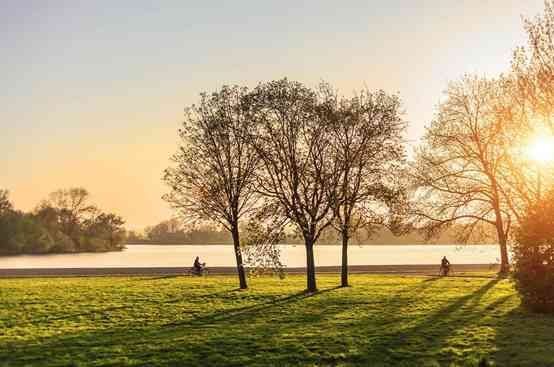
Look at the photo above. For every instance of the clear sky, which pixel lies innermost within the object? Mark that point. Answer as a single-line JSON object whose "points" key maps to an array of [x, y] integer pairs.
{"points": [[93, 91]]}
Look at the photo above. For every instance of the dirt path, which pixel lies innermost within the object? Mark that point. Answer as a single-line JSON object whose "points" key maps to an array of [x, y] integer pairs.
{"points": [[155, 271]]}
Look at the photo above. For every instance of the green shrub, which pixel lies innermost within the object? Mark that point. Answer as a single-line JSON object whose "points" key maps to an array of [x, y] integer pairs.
{"points": [[62, 243], [12, 240], [36, 238], [533, 256]]}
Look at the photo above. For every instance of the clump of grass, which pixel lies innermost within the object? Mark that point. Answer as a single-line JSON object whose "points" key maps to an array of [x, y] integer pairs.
{"points": [[167, 321]]}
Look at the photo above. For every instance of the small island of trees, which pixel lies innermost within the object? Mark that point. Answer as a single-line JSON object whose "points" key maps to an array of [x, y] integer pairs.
{"points": [[65, 222]]}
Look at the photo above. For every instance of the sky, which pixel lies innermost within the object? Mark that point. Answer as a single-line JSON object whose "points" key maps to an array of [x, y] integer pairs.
{"points": [[93, 92]]}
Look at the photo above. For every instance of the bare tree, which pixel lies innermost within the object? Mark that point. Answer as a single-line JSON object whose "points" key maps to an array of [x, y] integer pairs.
{"points": [[461, 168], [292, 140], [213, 172], [366, 135], [533, 67], [532, 95], [73, 207]]}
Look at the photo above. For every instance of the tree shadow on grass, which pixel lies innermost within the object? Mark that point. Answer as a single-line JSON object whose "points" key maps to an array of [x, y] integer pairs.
{"points": [[146, 279], [296, 329], [475, 328], [170, 342], [432, 279], [202, 296], [416, 325], [427, 336], [524, 338], [248, 312]]}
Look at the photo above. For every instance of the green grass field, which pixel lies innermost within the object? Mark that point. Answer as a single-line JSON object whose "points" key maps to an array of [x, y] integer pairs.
{"points": [[180, 321]]}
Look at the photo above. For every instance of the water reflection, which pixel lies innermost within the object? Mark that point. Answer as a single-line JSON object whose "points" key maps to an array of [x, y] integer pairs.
{"points": [[222, 255]]}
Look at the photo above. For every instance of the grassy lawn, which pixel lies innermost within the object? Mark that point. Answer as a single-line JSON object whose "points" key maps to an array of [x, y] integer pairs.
{"points": [[179, 321]]}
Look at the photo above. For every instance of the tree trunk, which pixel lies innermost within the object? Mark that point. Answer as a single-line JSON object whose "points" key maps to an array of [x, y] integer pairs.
{"points": [[501, 233], [238, 256], [502, 242], [310, 265], [504, 263], [344, 270]]}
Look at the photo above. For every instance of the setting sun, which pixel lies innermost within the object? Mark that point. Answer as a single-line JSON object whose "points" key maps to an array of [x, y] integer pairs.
{"points": [[541, 149]]}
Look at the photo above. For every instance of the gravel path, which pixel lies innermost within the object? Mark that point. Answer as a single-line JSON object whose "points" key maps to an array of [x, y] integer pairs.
{"points": [[157, 271]]}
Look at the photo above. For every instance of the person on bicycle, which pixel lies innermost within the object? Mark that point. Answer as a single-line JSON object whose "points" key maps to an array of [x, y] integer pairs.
{"points": [[197, 265], [445, 265]]}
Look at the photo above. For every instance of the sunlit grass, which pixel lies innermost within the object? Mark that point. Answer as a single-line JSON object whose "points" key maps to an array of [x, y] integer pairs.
{"points": [[179, 321]]}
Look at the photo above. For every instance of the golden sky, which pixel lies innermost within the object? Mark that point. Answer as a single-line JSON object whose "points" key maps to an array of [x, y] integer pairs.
{"points": [[93, 93]]}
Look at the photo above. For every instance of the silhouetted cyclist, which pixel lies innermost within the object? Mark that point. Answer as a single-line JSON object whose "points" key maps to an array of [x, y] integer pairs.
{"points": [[197, 265], [445, 266]]}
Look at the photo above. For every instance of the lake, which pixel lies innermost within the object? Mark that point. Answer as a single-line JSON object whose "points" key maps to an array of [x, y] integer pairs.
{"points": [[223, 255]]}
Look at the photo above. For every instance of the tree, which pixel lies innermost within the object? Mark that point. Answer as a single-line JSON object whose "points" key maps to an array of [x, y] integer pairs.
{"points": [[533, 256], [532, 95], [10, 234], [533, 67], [291, 138], [213, 176], [108, 227], [134, 236], [461, 167], [72, 207], [366, 139], [5, 204], [168, 231], [264, 232]]}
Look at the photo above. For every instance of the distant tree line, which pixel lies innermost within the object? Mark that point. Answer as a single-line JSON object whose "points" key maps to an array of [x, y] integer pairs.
{"points": [[65, 222], [173, 231]]}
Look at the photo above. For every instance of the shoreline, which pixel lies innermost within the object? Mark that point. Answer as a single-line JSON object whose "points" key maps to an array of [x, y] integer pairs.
{"points": [[319, 244], [161, 245], [425, 270]]}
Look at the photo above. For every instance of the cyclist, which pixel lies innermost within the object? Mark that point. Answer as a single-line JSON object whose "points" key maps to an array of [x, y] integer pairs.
{"points": [[198, 266], [445, 266]]}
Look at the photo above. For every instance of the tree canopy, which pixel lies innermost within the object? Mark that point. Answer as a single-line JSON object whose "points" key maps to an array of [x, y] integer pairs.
{"points": [[65, 222]]}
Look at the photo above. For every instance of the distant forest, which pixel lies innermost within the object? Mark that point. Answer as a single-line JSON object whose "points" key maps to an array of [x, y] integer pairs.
{"points": [[174, 232], [65, 222]]}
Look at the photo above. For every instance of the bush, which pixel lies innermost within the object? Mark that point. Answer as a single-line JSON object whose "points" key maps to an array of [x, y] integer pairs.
{"points": [[534, 257], [62, 243], [11, 239], [37, 239], [93, 244]]}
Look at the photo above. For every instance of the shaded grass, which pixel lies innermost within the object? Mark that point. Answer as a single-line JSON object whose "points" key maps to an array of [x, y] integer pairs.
{"points": [[179, 321]]}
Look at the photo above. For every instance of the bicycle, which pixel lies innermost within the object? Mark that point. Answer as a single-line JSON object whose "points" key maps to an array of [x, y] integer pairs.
{"points": [[203, 272], [445, 270]]}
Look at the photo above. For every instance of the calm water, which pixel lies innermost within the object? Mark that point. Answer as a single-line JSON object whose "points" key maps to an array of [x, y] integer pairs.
{"points": [[222, 255]]}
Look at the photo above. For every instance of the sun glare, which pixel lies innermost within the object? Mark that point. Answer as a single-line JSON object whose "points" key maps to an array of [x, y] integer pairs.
{"points": [[541, 149]]}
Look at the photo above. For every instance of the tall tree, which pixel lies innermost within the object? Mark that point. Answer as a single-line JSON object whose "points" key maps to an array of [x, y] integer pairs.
{"points": [[460, 168], [366, 136], [213, 173], [291, 137], [533, 67], [532, 94]]}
